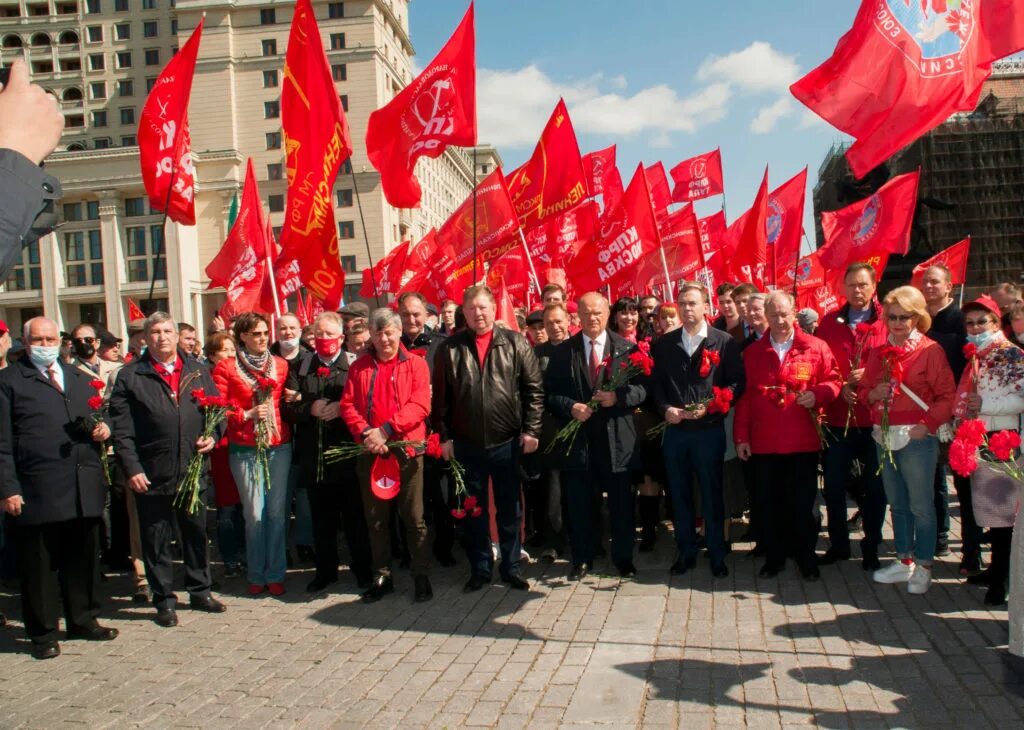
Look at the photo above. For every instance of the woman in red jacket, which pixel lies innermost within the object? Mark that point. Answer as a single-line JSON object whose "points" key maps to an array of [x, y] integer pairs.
{"points": [[254, 381], [387, 398], [909, 387]]}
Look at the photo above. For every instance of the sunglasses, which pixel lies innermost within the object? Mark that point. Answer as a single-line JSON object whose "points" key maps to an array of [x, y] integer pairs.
{"points": [[975, 322], [900, 317]]}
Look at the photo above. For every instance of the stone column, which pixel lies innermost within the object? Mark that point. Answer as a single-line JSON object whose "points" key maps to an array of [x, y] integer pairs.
{"points": [[114, 274]]}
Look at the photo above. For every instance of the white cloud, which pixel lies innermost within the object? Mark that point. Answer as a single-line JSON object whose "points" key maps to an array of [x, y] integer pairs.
{"points": [[810, 120], [758, 67], [768, 117]]}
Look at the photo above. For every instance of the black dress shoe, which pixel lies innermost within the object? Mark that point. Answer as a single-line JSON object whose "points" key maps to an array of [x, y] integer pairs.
{"points": [[579, 572], [318, 584], [424, 592], [831, 557], [996, 594], [93, 633], [475, 583], [942, 546], [516, 582], [627, 571], [141, 595], [45, 650], [720, 571], [811, 574], [769, 571], [206, 603], [166, 617], [683, 565], [380, 587]]}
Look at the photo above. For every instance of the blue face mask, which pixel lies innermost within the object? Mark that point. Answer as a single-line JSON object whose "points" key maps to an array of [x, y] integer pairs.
{"points": [[43, 357], [980, 340]]}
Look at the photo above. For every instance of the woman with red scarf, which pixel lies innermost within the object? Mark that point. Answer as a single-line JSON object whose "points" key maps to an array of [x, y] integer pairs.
{"points": [[259, 449], [909, 388]]}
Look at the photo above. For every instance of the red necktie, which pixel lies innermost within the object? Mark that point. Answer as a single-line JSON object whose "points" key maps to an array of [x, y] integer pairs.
{"points": [[595, 363]]}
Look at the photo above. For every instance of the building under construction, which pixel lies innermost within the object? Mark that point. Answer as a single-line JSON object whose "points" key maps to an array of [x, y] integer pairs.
{"points": [[972, 184]]}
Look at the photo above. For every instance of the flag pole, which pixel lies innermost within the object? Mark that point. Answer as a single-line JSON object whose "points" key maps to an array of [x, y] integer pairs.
{"points": [[961, 296], [366, 236], [529, 260], [270, 265], [474, 215]]}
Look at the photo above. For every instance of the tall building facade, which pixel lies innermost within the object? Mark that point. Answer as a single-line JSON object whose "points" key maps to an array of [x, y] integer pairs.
{"points": [[101, 57], [972, 183]]}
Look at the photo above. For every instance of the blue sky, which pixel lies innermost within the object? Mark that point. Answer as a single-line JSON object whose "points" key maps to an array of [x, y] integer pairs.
{"points": [[664, 80]]}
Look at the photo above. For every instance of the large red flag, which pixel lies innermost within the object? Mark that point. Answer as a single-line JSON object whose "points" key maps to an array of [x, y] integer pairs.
{"points": [[715, 270], [553, 180], [603, 176], [497, 227], [511, 272], [386, 276], [436, 110], [786, 224], [953, 258], [680, 241], [628, 234], [698, 177], [879, 224], [813, 287], [165, 147], [505, 311], [747, 240], [241, 264], [907, 65], [661, 195], [316, 143]]}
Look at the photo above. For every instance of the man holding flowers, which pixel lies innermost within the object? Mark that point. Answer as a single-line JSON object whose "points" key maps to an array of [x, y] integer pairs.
{"points": [[157, 410]]}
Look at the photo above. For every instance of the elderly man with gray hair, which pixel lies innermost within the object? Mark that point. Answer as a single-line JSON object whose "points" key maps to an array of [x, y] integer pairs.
{"points": [[387, 398]]}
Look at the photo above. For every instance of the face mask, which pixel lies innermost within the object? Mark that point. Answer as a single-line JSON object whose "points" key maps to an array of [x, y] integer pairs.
{"points": [[290, 345], [84, 350], [980, 340], [327, 347], [1020, 337], [43, 357]]}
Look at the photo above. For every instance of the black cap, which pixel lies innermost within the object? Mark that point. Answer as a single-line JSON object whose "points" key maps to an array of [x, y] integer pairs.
{"points": [[535, 317], [107, 339], [355, 309], [431, 309]]}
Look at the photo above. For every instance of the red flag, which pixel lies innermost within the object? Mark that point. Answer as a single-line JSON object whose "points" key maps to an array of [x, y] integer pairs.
{"points": [[661, 197], [953, 258], [241, 264], [553, 180], [497, 227], [680, 241], [134, 312], [715, 270], [165, 147], [628, 234], [511, 272], [505, 312], [905, 66], [560, 238], [603, 176], [387, 273], [747, 240], [316, 143], [436, 110], [698, 177], [786, 224], [287, 279], [879, 224], [314, 307]]}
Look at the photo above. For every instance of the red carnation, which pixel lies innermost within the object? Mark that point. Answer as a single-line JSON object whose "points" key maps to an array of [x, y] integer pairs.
{"points": [[323, 372], [970, 350], [433, 446], [1003, 444], [972, 432], [265, 383], [476, 512], [963, 457], [459, 514], [199, 394], [97, 384], [644, 346], [96, 402], [862, 330], [470, 504]]}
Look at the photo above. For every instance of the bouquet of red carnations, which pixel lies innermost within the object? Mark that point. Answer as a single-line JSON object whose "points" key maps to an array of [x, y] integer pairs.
{"points": [[719, 402], [215, 409], [97, 404], [972, 445]]}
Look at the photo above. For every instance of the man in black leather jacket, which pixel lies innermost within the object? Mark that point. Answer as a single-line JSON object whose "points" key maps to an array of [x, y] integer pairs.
{"points": [[487, 405]]}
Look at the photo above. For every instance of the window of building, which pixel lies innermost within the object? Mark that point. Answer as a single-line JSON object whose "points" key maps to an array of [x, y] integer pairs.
{"points": [[128, 140], [98, 89], [134, 207], [128, 115], [271, 109], [27, 274], [150, 83], [346, 229], [120, 6], [268, 16], [74, 121], [343, 98], [125, 87], [152, 56], [101, 143], [273, 140], [339, 72], [139, 257], [348, 264], [269, 46], [275, 203], [92, 6], [92, 210], [335, 10], [70, 64], [149, 4], [150, 29], [94, 34], [337, 41], [72, 212], [124, 59], [346, 166], [123, 31], [344, 198], [275, 171], [93, 313], [83, 258], [99, 119], [269, 79]]}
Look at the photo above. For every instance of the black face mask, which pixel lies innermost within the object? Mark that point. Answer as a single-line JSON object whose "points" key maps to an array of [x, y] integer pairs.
{"points": [[84, 350]]}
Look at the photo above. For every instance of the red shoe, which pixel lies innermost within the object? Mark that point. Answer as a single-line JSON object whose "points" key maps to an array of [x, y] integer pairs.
{"points": [[276, 589], [255, 589]]}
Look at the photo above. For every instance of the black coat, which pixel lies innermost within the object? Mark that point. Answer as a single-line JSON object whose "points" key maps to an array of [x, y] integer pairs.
{"points": [[949, 331], [303, 379], [425, 345], [677, 381], [154, 432], [47, 454], [566, 383]]}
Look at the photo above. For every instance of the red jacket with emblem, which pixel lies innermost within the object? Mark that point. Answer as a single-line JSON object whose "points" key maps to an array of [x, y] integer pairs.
{"points": [[760, 422], [403, 420], [238, 391], [844, 343]]}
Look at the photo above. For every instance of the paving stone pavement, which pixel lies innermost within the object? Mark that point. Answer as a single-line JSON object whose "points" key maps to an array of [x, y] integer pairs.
{"points": [[687, 652]]}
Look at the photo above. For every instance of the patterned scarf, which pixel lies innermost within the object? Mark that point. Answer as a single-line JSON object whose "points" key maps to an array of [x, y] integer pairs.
{"points": [[250, 367]]}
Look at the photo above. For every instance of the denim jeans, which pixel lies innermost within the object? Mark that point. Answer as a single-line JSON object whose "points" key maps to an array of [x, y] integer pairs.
{"points": [[697, 456], [266, 510], [910, 488], [501, 465], [838, 458], [301, 532], [231, 534]]}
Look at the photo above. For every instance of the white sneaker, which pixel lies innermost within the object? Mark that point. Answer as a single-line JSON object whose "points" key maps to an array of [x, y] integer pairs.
{"points": [[897, 572], [524, 556], [920, 580]]}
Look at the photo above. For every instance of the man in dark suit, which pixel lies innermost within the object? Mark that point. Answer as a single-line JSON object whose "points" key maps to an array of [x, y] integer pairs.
{"points": [[158, 426], [689, 363], [604, 452], [52, 483]]}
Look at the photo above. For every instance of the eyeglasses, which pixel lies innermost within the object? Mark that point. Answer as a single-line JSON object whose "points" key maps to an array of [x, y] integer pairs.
{"points": [[261, 333], [900, 317], [975, 322]]}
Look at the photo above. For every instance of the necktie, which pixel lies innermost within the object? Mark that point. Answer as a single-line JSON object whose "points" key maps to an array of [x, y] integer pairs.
{"points": [[53, 378], [595, 363]]}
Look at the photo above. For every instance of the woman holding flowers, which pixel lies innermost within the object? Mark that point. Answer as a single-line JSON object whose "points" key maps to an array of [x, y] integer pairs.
{"points": [[387, 399], [909, 388], [259, 448], [990, 400]]}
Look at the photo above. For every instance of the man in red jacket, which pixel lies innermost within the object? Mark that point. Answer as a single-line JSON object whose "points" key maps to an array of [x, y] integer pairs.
{"points": [[790, 376], [387, 398], [852, 332]]}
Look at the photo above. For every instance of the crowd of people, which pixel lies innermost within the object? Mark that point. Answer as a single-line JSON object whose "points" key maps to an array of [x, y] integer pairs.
{"points": [[578, 439]]}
